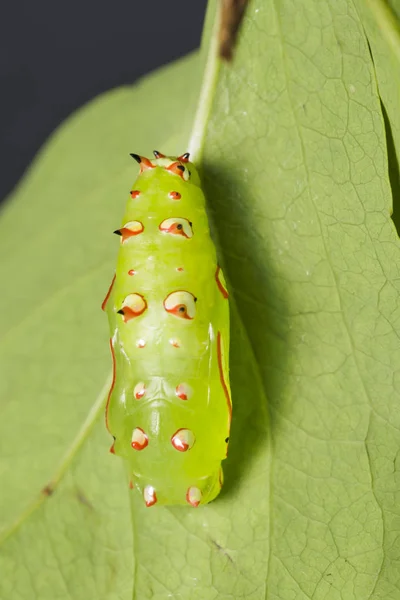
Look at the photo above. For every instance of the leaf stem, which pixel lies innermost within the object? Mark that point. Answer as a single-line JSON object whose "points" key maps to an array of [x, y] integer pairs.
{"points": [[211, 71]]}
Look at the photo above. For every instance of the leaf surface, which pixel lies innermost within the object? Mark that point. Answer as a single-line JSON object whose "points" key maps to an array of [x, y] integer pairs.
{"points": [[296, 174], [59, 254]]}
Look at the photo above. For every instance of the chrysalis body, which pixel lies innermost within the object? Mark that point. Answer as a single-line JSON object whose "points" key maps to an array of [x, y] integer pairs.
{"points": [[169, 407]]}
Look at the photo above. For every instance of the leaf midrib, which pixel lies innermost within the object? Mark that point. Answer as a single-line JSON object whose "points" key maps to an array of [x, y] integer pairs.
{"points": [[65, 462]]}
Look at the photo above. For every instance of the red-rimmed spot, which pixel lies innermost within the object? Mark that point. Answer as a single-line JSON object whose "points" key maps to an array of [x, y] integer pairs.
{"points": [[139, 391], [133, 306], [130, 230], [177, 226], [134, 193], [139, 439], [174, 195], [181, 304], [140, 344], [180, 269], [104, 303], [221, 375], [193, 496], [175, 343], [183, 391], [112, 449], [183, 440], [112, 382], [132, 272]]}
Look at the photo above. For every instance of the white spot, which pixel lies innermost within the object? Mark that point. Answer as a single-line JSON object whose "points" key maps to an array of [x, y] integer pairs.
{"points": [[140, 390], [149, 494]]}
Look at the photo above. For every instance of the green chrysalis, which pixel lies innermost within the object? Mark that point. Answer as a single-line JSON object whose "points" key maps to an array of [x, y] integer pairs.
{"points": [[169, 407]]}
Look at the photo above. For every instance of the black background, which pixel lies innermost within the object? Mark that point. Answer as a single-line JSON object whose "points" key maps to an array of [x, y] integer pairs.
{"points": [[55, 56]]}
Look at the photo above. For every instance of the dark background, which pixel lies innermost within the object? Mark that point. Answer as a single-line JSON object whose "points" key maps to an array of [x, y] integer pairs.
{"points": [[56, 56]]}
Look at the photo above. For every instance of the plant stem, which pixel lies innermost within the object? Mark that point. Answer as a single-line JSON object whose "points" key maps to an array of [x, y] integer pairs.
{"points": [[211, 70]]}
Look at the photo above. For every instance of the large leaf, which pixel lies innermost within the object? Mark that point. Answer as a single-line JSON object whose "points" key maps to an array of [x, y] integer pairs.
{"points": [[59, 253], [295, 169]]}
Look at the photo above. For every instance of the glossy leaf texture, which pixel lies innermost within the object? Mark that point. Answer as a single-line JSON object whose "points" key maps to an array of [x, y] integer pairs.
{"points": [[295, 168]]}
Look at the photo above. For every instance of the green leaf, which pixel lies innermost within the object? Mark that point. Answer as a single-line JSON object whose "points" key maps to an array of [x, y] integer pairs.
{"points": [[295, 169], [381, 24], [56, 235]]}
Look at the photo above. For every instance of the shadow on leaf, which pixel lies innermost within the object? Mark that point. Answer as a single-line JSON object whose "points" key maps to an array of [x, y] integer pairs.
{"points": [[258, 332]]}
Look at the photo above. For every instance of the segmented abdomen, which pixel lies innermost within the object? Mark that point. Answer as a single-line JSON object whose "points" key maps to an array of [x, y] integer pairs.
{"points": [[169, 409]]}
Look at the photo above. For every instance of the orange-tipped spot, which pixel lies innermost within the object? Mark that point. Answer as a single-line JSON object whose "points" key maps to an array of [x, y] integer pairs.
{"points": [[139, 439], [177, 226], [133, 306], [183, 391], [129, 230], [183, 440], [139, 391], [149, 495], [174, 195], [193, 496], [134, 193], [181, 304]]}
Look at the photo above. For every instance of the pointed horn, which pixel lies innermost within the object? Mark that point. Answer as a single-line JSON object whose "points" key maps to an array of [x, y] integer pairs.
{"points": [[144, 162], [184, 157], [158, 154]]}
